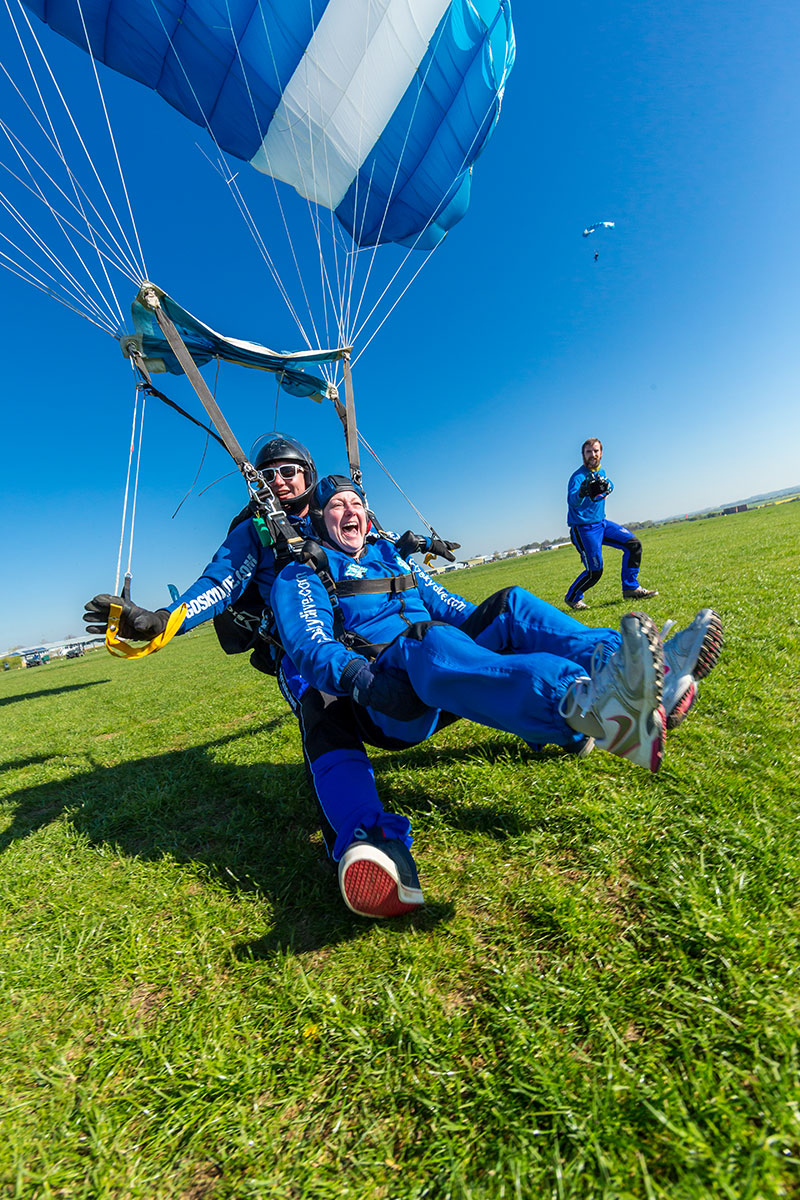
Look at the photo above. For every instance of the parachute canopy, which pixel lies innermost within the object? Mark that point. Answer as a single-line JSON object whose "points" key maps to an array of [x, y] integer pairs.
{"points": [[598, 225], [375, 109]]}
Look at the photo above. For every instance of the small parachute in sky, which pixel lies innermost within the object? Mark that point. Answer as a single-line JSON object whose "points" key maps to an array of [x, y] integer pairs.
{"points": [[597, 225], [594, 228]]}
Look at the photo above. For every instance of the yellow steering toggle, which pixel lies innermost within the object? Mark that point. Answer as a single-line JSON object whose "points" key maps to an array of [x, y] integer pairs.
{"points": [[121, 649]]}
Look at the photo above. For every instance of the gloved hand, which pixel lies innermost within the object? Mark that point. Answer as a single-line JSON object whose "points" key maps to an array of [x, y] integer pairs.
{"points": [[594, 487], [415, 543], [138, 624], [598, 487], [386, 690]]}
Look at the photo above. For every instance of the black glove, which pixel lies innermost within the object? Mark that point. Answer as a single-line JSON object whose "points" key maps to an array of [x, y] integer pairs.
{"points": [[386, 690], [594, 487], [415, 543], [598, 487], [138, 624]]}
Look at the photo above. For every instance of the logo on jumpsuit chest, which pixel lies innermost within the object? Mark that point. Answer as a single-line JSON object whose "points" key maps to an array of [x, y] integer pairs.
{"points": [[355, 571]]}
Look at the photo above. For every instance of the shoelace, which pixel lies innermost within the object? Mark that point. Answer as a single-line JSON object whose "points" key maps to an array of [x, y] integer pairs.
{"points": [[581, 693], [668, 625]]}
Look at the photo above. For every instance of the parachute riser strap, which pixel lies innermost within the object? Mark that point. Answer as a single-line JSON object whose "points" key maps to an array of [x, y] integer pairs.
{"points": [[189, 366], [122, 649], [265, 505], [350, 426]]}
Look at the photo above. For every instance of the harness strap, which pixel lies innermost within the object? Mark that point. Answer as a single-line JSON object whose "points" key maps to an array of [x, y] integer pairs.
{"points": [[374, 587]]}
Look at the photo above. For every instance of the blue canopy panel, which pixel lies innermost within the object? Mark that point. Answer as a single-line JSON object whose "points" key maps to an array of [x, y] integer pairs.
{"points": [[376, 109], [204, 344]]}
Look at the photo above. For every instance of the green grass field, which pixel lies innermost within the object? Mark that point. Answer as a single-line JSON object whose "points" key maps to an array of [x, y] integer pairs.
{"points": [[601, 998]]}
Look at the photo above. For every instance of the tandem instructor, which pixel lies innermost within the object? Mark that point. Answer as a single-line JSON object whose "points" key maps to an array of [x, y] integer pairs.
{"points": [[590, 530]]}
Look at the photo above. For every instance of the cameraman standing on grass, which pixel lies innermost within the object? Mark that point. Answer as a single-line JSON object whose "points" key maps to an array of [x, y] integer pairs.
{"points": [[590, 531]]}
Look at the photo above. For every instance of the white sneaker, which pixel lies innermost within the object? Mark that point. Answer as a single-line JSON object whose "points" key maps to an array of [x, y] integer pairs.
{"points": [[689, 656], [620, 706]]}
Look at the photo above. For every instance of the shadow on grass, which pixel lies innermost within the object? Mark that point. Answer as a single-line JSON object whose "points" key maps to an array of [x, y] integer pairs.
{"points": [[492, 819], [253, 828], [55, 691]]}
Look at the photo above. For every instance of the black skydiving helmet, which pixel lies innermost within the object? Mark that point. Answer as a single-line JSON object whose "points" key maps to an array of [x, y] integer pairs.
{"points": [[325, 490], [281, 447]]}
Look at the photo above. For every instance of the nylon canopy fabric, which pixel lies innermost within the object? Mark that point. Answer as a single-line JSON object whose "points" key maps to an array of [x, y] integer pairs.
{"points": [[204, 344], [376, 109]]}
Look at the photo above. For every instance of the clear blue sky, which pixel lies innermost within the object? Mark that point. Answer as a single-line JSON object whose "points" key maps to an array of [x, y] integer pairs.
{"points": [[678, 347]]}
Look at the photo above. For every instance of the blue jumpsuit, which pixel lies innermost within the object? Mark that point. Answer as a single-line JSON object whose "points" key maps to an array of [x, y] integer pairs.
{"points": [[506, 663], [590, 531]]}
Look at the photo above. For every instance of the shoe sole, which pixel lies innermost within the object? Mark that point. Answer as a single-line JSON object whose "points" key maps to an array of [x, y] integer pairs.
{"points": [[655, 721], [682, 707], [656, 647], [710, 648], [658, 743], [707, 658], [370, 889]]}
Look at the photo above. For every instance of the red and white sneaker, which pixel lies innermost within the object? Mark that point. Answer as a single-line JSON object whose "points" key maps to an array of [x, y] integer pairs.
{"points": [[621, 705], [378, 877], [689, 656]]}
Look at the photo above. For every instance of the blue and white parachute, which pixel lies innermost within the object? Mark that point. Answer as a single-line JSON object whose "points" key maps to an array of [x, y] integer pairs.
{"points": [[597, 225], [375, 109]]}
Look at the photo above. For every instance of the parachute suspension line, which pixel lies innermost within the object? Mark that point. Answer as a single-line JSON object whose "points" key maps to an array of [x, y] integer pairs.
{"points": [[239, 198], [135, 487], [203, 455], [60, 151], [133, 265], [35, 190], [359, 331], [344, 275], [27, 276], [124, 521], [122, 264], [391, 477], [353, 257], [353, 336], [241, 204], [89, 304], [140, 261], [249, 221], [377, 330], [222, 169], [313, 216], [412, 115]]}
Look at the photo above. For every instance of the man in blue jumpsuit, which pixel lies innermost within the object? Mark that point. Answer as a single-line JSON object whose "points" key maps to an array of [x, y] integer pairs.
{"points": [[590, 530], [370, 625]]}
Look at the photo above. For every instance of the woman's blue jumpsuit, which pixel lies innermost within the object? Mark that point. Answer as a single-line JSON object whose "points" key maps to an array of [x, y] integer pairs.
{"points": [[506, 663]]}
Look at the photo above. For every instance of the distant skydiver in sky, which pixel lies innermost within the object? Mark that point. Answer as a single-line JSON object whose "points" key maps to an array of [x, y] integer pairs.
{"points": [[364, 623], [234, 589], [590, 530]]}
